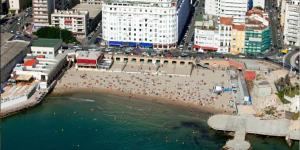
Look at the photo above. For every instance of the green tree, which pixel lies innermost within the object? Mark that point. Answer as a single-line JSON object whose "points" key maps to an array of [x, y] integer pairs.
{"points": [[56, 33]]}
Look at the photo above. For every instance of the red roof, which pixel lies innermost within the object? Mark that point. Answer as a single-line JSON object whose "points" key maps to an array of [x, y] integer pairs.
{"points": [[249, 75], [206, 48], [87, 61], [226, 20], [236, 64], [30, 62], [239, 27]]}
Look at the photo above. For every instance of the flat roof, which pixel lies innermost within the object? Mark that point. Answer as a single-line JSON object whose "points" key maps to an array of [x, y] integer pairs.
{"points": [[88, 54], [93, 9], [44, 42], [11, 49], [5, 37]]}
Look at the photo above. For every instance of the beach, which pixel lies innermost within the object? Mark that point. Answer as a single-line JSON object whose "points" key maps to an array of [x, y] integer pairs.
{"points": [[194, 91]]}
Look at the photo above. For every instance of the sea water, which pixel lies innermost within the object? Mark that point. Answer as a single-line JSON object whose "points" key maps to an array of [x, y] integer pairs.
{"points": [[90, 121]]}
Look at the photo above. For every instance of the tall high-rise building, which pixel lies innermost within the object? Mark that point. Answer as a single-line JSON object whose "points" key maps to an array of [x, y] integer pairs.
{"points": [[292, 23], [144, 23], [227, 8], [42, 10]]}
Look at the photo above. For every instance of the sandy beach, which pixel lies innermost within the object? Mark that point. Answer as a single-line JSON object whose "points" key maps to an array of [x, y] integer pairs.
{"points": [[194, 91]]}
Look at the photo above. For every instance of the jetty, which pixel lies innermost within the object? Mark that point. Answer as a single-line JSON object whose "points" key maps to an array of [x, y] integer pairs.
{"points": [[246, 124]]}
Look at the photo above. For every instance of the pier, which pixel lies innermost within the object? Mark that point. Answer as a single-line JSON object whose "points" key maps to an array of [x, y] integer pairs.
{"points": [[242, 125]]}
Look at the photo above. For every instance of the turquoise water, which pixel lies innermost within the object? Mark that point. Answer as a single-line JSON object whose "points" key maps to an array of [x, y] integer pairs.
{"points": [[85, 121]]}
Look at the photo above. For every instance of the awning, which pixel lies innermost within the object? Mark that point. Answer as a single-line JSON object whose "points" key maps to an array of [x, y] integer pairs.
{"points": [[132, 44], [146, 45], [205, 48], [115, 43]]}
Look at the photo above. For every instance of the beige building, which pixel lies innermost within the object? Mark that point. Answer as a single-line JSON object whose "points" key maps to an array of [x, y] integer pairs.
{"points": [[237, 43]]}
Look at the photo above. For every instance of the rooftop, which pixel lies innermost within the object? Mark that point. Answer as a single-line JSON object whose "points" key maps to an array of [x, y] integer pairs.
{"points": [[94, 10], [226, 20], [44, 65], [43, 42], [11, 49], [70, 12], [5, 37], [206, 22], [88, 54]]}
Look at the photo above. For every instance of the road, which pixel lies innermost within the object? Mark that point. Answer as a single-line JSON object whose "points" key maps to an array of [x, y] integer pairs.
{"points": [[277, 36], [291, 59], [198, 9], [13, 25]]}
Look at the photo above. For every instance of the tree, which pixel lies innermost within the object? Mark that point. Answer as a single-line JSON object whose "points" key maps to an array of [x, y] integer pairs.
{"points": [[56, 33]]}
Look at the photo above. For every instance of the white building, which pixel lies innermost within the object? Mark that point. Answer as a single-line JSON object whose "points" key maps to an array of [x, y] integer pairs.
{"points": [[15, 6], [147, 23], [227, 8], [213, 35], [292, 23], [260, 3], [72, 20], [206, 34], [41, 12], [225, 27], [46, 47], [42, 69]]}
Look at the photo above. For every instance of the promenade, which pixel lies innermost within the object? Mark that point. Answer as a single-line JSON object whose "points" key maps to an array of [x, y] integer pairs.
{"points": [[242, 125]]}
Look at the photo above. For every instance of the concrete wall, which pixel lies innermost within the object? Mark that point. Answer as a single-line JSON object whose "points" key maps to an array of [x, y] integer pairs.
{"points": [[153, 60]]}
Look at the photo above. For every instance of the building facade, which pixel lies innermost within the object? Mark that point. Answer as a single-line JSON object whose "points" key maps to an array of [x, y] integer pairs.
{"points": [[144, 23], [41, 12], [227, 8], [206, 36], [237, 43], [225, 27], [72, 20], [16, 6], [292, 23], [46, 47]]}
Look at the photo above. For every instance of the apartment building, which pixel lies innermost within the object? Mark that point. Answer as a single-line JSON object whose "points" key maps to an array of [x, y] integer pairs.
{"points": [[225, 27], [72, 20], [227, 8], [258, 34], [237, 43], [16, 6], [212, 35], [206, 37], [42, 10], [291, 31], [144, 23]]}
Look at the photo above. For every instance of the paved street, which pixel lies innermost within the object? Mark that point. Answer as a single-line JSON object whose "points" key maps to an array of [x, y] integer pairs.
{"points": [[277, 37], [15, 23]]}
